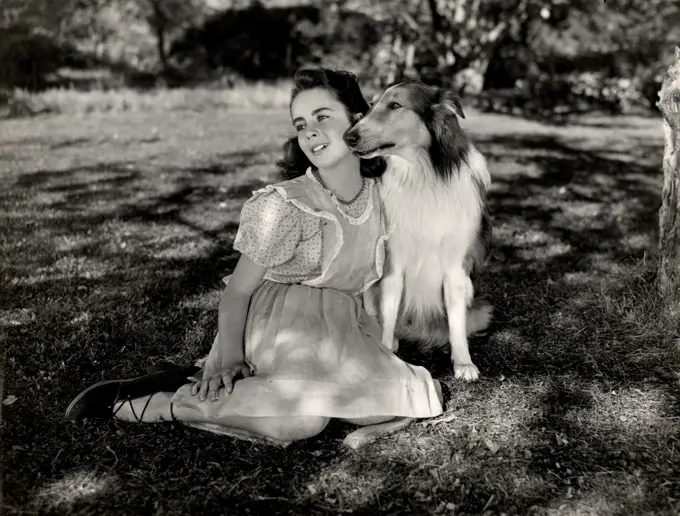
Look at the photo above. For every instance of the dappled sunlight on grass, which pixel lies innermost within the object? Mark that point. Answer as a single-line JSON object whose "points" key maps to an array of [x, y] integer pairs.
{"points": [[77, 487], [628, 413], [500, 408], [340, 484], [115, 237], [16, 317], [616, 496], [499, 434], [182, 250], [206, 300]]}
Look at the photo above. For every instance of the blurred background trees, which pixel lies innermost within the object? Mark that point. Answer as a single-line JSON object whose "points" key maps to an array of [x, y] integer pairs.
{"points": [[537, 56]]}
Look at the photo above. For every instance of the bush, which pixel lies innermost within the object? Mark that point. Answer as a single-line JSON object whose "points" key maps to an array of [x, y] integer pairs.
{"points": [[546, 96], [232, 42], [28, 58]]}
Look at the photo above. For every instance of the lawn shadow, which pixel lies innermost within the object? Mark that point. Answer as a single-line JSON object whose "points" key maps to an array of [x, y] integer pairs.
{"points": [[70, 143], [572, 280], [563, 221], [152, 246], [121, 267], [158, 252], [570, 225]]}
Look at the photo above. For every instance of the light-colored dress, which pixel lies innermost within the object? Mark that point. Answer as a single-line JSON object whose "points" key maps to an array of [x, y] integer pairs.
{"points": [[314, 349]]}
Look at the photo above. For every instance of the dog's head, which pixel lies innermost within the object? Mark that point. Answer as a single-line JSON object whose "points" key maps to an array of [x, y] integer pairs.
{"points": [[411, 116]]}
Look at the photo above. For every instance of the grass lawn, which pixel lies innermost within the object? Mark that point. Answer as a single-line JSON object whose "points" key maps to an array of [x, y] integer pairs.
{"points": [[117, 227]]}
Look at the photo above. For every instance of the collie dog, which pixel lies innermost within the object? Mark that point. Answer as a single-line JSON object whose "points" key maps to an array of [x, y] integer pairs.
{"points": [[434, 198]]}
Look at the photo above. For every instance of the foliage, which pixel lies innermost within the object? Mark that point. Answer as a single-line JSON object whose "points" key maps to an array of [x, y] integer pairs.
{"points": [[296, 36], [28, 59], [470, 45]]}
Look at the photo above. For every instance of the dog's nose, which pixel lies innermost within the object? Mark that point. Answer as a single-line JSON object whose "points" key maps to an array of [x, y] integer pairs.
{"points": [[351, 138]]}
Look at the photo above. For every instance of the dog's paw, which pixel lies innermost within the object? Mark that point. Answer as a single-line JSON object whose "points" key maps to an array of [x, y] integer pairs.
{"points": [[467, 372]]}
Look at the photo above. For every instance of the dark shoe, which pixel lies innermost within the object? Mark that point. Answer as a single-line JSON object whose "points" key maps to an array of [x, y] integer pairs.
{"points": [[98, 400]]}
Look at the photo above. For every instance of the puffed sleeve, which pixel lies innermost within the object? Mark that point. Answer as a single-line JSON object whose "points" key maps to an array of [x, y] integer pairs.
{"points": [[269, 230]]}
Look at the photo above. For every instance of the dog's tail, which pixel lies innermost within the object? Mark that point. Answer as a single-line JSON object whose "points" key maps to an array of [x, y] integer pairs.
{"points": [[435, 333]]}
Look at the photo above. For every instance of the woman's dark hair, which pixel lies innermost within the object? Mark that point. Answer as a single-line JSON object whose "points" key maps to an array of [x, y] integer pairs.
{"points": [[345, 87]]}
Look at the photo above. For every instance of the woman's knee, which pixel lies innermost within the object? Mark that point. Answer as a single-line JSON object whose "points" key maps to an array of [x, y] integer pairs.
{"points": [[297, 428]]}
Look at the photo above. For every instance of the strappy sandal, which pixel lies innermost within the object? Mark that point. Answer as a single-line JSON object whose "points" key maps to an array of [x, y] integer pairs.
{"points": [[98, 400]]}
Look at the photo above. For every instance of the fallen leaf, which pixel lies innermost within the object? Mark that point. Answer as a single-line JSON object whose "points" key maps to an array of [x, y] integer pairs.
{"points": [[9, 400], [493, 447]]}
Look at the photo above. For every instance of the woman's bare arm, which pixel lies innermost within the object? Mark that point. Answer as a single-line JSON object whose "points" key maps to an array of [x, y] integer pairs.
{"points": [[233, 310]]}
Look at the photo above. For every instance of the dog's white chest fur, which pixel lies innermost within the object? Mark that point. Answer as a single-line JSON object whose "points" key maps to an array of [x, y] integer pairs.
{"points": [[433, 223]]}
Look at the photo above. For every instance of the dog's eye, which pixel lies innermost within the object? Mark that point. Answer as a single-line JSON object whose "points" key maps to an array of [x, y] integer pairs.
{"points": [[394, 105]]}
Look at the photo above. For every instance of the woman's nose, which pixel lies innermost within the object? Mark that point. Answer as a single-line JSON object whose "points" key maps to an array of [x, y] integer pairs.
{"points": [[311, 133]]}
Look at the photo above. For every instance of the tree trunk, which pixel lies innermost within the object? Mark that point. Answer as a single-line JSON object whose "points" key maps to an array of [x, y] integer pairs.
{"points": [[436, 17], [395, 59], [669, 214], [159, 22], [160, 45]]}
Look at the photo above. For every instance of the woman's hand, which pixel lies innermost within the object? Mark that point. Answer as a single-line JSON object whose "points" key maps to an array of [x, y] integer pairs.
{"points": [[227, 376]]}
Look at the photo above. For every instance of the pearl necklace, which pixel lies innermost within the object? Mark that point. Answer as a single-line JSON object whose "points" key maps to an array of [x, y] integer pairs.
{"points": [[315, 171]]}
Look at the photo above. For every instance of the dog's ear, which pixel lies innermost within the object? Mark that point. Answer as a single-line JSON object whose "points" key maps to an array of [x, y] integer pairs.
{"points": [[450, 101], [449, 143]]}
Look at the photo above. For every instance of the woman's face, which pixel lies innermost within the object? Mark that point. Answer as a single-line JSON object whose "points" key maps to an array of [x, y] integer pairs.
{"points": [[320, 120]]}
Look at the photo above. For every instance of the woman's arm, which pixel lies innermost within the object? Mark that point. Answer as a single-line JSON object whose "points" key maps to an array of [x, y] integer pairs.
{"points": [[222, 367], [233, 311]]}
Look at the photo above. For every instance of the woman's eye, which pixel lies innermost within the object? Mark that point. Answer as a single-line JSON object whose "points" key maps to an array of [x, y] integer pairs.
{"points": [[394, 105], [299, 128], [320, 118]]}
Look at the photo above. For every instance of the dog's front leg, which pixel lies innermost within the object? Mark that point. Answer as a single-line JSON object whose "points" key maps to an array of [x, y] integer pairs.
{"points": [[391, 288], [458, 292]]}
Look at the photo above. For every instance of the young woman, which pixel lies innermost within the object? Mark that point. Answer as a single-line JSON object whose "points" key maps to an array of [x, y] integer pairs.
{"points": [[295, 346]]}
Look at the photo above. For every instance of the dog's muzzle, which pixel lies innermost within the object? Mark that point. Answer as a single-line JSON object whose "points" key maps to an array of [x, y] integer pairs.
{"points": [[351, 137]]}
